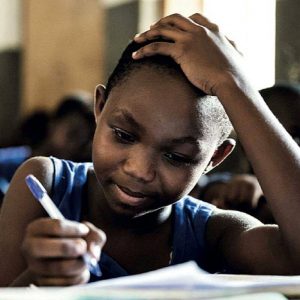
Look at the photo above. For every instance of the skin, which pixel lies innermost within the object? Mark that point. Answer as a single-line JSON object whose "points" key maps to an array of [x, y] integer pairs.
{"points": [[236, 240]]}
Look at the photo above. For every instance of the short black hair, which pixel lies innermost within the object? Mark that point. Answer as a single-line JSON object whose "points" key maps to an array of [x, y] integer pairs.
{"points": [[213, 110]]}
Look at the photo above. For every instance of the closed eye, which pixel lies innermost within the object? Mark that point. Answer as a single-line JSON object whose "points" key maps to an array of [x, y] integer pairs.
{"points": [[123, 136]]}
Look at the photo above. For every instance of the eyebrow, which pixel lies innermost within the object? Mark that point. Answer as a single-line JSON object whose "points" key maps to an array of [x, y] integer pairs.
{"points": [[186, 139], [123, 113]]}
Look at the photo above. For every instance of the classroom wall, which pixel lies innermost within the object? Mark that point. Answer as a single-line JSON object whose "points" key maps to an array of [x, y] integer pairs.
{"points": [[63, 50], [10, 61], [121, 25]]}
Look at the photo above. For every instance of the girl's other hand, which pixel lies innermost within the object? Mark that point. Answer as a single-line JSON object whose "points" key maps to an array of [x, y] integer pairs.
{"points": [[208, 59], [53, 250]]}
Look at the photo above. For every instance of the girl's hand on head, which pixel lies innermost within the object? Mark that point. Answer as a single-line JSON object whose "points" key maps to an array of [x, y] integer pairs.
{"points": [[206, 56], [53, 250]]}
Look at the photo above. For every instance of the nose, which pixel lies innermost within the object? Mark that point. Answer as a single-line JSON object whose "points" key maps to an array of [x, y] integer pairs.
{"points": [[140, 165]]}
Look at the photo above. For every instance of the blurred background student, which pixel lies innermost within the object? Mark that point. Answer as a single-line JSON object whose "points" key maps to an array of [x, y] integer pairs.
{"points": [[65, 133]]}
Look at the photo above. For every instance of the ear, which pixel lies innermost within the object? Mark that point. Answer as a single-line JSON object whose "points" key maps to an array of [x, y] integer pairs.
{"points": [[99, 100], [220, 154]]}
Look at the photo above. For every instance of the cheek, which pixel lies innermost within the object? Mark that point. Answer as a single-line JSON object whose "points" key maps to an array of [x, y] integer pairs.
{"points": [[105, 157], [180, 182]]}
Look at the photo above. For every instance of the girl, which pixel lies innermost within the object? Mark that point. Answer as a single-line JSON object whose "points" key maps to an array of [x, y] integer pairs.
{"points": [[156, 133]]}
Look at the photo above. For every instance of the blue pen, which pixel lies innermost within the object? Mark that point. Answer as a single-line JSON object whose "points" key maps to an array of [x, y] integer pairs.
{"points": [[40, 193]]}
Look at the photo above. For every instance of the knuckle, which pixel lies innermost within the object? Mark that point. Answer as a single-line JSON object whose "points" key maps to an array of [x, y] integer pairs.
{"points": [[214, 27], [29, 247], [154, 47], [35, 226], [201, 30], [66, 249], [197, 15], [73, 247], [153, 32], [176, 15], [57, 226], [57, 268]]}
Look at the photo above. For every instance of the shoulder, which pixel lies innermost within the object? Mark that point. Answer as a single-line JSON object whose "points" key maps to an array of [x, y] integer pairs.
{"points": [[41, 167], [18, 198], [18, 193]]}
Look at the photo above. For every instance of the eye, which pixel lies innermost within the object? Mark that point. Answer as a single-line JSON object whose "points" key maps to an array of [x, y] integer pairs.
{"points": [[177, 159], [124, 136]]}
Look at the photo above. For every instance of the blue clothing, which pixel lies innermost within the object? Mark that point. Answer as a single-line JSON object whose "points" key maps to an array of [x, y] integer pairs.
{"points": [[190, 217], [10, 159]]}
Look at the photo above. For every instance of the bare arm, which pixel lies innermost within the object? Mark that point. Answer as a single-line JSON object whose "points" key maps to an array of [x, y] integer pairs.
{"points": [[211, 63], [242, 244], [40, 250], [18, 210]]}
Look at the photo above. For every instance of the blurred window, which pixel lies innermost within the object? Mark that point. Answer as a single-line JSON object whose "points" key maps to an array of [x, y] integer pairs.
{"points": [[249, 23]]}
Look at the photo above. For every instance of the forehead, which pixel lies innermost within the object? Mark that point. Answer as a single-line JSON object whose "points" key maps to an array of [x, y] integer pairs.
{"points": [[159, 97]]}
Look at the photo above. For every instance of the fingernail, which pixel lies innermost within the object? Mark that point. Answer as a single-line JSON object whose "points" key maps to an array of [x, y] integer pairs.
{"points": [[134, 54], [137, 35], [95, 250], [83, 229]]}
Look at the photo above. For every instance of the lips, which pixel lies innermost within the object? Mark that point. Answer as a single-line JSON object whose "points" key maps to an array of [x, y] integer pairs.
{"points": [[130, 197], [131, 193]]}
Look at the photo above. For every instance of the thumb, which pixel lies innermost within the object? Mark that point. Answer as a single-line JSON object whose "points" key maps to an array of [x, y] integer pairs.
{"points": [[95, 239]]}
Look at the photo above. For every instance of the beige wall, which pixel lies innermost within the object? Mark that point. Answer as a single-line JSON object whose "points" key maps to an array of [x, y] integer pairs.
{"points": [[63, 49]]}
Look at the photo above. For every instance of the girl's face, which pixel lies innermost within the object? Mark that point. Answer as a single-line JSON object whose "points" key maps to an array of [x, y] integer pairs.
{"points": [[149, 149]]}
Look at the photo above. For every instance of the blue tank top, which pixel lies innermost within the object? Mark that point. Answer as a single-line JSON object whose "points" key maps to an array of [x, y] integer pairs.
{"points": [[190, 217]]}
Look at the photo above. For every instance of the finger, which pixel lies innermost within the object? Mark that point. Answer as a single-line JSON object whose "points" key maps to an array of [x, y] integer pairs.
{"points": [[54, 247], [162, 48], [57, 267], [54, 227], [64, 281], [95, 240], [176, 20], [159, 32], [203, 21]]}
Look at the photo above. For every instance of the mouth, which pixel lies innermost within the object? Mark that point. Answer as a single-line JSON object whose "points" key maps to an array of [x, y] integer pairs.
{"points": [[130, 197]]}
